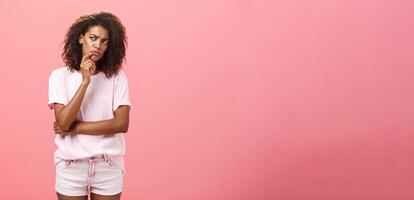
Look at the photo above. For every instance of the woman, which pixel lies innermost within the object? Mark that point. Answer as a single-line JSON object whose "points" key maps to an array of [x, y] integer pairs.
{"points": [[91, 104]]}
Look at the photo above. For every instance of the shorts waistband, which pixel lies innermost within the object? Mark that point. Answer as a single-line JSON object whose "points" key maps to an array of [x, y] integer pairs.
{"points": [[100, 157]]}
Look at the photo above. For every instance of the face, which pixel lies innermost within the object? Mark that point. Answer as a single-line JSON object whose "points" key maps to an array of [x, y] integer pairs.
{"points": [[95, 40]]}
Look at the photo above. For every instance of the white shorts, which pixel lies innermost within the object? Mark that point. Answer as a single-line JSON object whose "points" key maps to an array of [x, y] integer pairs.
{"points": [[101, 175]]}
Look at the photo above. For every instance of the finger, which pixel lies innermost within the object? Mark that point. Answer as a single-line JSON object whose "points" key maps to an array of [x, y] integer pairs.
{"points": [[86, 57], [87, 65], [92, 69]]}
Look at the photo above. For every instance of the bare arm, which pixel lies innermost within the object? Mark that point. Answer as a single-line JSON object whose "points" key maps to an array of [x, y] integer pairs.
{"points": [[66, 114], [119, 124]]}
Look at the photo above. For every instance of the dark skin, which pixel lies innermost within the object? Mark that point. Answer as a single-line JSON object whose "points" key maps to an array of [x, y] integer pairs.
{"points": [[94, 44], [93, 196]]}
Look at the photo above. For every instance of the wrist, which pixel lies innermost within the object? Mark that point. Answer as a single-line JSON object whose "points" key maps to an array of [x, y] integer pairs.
{"points": [[85, 82]]}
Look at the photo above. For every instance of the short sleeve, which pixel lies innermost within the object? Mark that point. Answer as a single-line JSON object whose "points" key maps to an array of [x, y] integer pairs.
{"points": [[57, 89], [121, 93]]}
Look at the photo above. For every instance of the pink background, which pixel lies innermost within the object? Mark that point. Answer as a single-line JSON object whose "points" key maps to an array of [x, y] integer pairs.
{"points": [[232, 100]]}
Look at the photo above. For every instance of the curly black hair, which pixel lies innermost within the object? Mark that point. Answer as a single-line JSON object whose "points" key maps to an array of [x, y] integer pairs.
{"points": [[111, 61]]}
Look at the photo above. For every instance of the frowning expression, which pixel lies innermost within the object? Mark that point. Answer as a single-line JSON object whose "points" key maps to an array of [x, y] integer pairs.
{"points": [[95, 41]]}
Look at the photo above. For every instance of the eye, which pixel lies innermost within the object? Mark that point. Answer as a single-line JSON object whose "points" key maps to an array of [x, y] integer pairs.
{"points": [[106, 42]]}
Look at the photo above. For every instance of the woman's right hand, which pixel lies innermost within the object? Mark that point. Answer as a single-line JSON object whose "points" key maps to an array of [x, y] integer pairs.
{"points": [[87, 67]]}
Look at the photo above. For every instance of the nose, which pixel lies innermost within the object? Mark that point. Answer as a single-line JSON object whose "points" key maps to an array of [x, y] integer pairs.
{"points": [[97, 44]]}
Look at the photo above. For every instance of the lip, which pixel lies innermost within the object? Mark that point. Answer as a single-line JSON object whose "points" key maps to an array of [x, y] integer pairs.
{"points": [[95, 53]]}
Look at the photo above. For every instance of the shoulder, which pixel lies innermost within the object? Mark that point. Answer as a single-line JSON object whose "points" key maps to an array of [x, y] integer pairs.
{"points": [[121, 75], [60, 72]]}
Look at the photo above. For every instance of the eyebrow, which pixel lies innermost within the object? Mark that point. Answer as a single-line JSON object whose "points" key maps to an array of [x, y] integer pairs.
{"points": [[98, 36]]}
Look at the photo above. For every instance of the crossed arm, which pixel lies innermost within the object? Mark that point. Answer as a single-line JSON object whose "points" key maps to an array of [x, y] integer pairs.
{"points": [[119, 124], [67, 123]]}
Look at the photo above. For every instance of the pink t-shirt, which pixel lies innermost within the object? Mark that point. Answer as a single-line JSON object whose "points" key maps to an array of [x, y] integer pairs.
{"points": [[103, 96]]}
